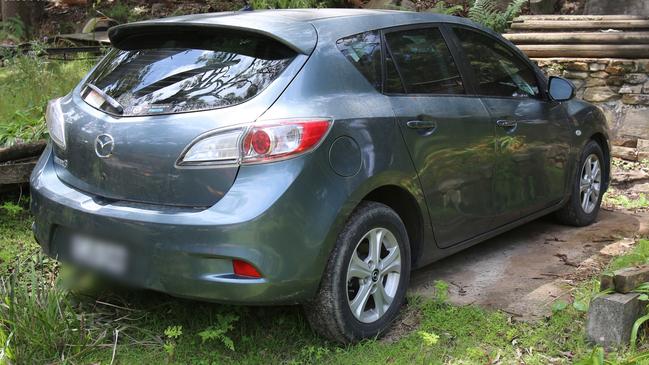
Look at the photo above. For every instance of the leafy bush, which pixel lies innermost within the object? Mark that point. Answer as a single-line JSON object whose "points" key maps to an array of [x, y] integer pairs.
{"points": [[27, 82], [487, 13]]}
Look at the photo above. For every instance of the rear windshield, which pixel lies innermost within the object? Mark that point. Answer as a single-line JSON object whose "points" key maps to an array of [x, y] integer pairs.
{"points": [[162, 73]]}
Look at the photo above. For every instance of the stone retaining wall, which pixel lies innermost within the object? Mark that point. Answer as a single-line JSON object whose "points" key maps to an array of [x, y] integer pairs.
{"points": [[620, 87]]}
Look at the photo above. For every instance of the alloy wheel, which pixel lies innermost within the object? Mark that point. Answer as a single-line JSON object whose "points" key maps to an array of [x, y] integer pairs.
{"points": [[590, 183], [373, 275]]}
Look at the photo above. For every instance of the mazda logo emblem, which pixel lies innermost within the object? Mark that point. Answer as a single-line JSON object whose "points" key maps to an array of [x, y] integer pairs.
{"points": [[104, 145]]}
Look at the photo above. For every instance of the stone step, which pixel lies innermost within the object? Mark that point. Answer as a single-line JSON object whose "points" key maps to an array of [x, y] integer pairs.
{"points": [[567, 25], [586, 50], [579, 38], [523, 18]]}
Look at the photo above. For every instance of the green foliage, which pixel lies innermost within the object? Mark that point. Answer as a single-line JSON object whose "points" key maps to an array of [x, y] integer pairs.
{"points": [[639, 256], [12, 208], [13, 29], [27, 82], [623, 201], [286, 4], [559, 305], [596, 357], [37, 321], [172, 334], [441, 291], [486, 12], [442, 7], [218, 332]]}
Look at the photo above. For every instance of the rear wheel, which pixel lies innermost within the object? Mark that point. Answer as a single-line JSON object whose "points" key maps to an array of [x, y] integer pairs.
{"points": [[366, 278], [587, 189]]}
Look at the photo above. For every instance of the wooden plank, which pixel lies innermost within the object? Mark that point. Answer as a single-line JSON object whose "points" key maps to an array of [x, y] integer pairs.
{"points": [[586, 50], [91, 38], [579, 38], [16, 173], [523, 18], [575, 24], [22, 150]]}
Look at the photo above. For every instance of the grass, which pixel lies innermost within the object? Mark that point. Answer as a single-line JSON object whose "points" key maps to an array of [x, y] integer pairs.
{"points": [[45, 322], [26, 84]]}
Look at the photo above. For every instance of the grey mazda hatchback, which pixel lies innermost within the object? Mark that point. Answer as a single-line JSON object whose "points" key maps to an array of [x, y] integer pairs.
{"points": [[308, 156]]}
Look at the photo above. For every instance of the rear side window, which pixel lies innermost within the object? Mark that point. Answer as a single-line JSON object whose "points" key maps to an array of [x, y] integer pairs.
{"points": [[174, 73], [498, 70], [423, 62], [364, 52]]}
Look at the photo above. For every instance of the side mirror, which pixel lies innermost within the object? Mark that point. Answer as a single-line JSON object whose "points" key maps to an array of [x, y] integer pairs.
{"points": [[560, 89]]}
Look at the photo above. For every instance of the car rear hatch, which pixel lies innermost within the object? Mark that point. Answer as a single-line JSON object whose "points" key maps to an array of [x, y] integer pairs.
{"points": [[164, 85]]}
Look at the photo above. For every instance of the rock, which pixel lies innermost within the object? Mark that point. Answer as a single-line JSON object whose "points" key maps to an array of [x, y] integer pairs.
{"points": [[615, 70], [635, 78], [579, 84], [596, 67], [591, 82], [577, 66], [636, 99], [625, 153], [635, 124], [599, 74], [644, 157], [615, 81], [600, 94], [606, 282], [642, 145], [629, 176], [645, 89], [630, 89], [630, 278], [625, 142], [611, 317], [542, 6], [575, 75], [642, 188], [628, 7]]}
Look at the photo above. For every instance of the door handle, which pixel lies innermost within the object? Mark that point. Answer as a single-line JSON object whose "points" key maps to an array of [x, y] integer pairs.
{"points": [[506, 123], [422, 124]]}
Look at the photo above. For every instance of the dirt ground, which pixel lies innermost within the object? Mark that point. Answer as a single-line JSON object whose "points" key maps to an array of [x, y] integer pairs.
{"points": [[523, 271]]}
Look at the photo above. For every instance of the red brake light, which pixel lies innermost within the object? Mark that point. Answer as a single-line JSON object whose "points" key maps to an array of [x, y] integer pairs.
{"points": [[242, 268], [283, 139]]}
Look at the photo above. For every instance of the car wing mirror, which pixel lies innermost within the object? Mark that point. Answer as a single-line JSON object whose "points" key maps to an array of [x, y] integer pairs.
{"points": [[560, 89]]}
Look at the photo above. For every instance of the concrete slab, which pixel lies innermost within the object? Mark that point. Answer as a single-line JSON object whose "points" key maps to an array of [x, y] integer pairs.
{"points": [[523, 271]]}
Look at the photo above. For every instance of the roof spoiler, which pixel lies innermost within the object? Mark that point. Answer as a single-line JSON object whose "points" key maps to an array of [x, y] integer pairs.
{"points": [[300, 37]]}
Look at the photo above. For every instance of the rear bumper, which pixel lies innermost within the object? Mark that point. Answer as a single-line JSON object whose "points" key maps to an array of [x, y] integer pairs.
{"points": [[188, 253]]}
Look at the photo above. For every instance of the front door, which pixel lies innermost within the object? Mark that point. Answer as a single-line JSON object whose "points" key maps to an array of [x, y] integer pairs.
{"points": [[532, 132], [449, 134]]}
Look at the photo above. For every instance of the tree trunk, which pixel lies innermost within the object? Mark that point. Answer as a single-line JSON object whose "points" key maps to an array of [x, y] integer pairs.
{"points": [[29, 12]]}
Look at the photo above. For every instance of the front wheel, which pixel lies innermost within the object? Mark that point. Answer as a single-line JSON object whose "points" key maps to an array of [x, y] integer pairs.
{"points": [[366, 278], [587, 189]]}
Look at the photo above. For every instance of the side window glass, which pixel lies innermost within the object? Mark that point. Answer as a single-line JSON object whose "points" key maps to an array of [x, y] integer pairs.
{"points": [[498, 70], [363, 50], [424, 62]]}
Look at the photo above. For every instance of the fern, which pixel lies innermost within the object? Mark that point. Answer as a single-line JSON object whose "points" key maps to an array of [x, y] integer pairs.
{"points": [[486, 12], [443, 8]]}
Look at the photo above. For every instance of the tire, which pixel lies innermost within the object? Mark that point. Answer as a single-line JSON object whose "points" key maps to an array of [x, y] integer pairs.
{"points": [[330, 312], [577, 212]]}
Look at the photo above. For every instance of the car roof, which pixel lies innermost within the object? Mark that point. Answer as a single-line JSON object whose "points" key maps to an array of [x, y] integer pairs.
{"points": [[293, 27]]}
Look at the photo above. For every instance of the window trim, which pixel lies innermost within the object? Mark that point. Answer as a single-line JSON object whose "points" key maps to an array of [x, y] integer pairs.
{"points": [[540, 79], [468, 90]]}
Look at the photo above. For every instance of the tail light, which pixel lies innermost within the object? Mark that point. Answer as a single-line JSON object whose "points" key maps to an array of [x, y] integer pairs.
{"points": [[257, 143], [55, 122]]}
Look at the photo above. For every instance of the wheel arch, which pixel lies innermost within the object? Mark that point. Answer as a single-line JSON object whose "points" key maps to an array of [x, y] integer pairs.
{"points": [[602, 141], [406, 206]]}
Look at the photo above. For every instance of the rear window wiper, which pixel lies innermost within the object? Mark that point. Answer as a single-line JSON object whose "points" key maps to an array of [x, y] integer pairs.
{"points": [[109, 99]]}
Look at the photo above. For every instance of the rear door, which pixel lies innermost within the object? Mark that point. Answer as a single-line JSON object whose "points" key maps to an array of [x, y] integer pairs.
{"points": [[448, 132], [532, 133]]}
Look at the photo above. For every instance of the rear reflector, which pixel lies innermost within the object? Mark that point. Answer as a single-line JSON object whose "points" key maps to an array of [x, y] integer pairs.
{"points": [[242, 268]]}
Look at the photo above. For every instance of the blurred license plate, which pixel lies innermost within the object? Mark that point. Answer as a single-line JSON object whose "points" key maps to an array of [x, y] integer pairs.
{"points": [[99, 254]]}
